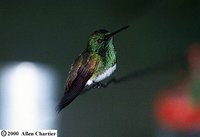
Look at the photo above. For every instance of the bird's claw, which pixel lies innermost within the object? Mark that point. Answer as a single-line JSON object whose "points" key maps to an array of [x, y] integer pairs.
{"points": [[98, 85]]}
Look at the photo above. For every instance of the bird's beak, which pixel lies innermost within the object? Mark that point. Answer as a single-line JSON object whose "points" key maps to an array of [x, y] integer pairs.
{"points": [[115, 32]]}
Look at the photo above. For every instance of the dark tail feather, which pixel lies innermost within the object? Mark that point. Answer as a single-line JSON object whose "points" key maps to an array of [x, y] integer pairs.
{"points": [[75, 89], [66, 100]]}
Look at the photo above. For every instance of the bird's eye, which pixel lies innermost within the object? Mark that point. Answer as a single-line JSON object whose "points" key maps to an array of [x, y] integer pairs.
{"points": [[99, 41]]}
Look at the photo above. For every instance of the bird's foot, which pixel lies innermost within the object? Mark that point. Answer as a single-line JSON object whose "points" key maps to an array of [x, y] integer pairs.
{"points": [[98, 85]]}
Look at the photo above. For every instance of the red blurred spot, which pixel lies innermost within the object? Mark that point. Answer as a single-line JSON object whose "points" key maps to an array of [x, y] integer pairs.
{"points": [[175, 111]]}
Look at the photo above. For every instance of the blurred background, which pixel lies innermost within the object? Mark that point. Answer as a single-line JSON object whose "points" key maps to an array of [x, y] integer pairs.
{"points": [[42, 38]]}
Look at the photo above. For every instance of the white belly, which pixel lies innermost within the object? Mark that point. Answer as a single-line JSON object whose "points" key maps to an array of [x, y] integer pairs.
{"points": [[104, 75]]}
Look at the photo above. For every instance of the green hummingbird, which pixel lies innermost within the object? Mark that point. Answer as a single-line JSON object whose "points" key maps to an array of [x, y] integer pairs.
{"points": [[95, 63]]}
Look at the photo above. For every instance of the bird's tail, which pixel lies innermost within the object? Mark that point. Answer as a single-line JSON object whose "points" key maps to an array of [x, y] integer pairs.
{"points": [[75, 89], [66, 100]]}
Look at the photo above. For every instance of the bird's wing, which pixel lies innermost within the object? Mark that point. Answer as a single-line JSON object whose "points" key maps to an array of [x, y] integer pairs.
{"points": [[74, 70], [76, 82]]}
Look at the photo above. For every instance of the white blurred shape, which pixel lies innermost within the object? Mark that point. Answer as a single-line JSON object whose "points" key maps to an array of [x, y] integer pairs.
{"points": [[27, 97]]}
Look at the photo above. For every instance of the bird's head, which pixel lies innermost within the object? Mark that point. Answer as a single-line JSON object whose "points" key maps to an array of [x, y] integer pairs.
{"points": [[101, 39]]}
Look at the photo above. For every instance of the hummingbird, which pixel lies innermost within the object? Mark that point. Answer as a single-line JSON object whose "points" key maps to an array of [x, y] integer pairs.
{"points": [[94, 64]]}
